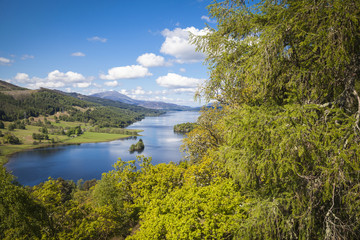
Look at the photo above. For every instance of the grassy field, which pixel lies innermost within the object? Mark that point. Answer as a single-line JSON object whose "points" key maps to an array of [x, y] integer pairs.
{"points": [[88, 137], [27, 141]]}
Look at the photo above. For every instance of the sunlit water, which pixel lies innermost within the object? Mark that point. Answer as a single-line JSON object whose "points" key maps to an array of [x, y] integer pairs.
{"points": [[89, 160]]}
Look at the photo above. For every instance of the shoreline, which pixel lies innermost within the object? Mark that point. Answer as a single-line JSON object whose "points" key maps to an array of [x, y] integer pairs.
{"points": [[14, 149]]}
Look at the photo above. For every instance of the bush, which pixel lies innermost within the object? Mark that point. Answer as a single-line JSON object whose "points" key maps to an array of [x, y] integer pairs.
{"points": [[10, 138]]}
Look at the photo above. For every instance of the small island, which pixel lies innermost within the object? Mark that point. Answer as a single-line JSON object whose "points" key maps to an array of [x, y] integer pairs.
{"points": [[139, 146], [184, 127]]}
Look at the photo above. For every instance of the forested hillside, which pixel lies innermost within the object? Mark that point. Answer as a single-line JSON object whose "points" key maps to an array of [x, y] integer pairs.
{"points": [[278, 159], [23, 103]]}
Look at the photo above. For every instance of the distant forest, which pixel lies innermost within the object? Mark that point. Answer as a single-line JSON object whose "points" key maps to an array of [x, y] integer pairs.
{"points": [[20, 104]]}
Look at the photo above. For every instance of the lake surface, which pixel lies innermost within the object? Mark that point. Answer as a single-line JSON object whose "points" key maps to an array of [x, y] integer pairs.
{"points": [[89, 160]]}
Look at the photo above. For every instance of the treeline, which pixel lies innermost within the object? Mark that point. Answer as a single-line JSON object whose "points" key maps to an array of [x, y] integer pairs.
{"points": [[111, 103], [48, 102], [184, 127], [139, 147], [169, 201]]}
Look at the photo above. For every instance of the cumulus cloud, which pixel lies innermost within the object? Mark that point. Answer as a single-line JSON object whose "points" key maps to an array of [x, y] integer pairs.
{"points": [[26, 56], [97, 39], [177, 44], [67, 77], [206, 18], [4, 60], [82, 84], [138, 91], [45, 84], [22, 77], [151, 60], [78, 54], [126, 72], [124, 91], [111, 83], [185, 90], [173, 80], [55, 79]]}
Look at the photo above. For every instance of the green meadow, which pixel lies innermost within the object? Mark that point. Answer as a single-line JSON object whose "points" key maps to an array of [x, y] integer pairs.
{"points": [[54, 138]]}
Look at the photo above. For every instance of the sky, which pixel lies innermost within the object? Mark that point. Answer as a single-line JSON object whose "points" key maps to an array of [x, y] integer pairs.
{"points": [[138, 48]]}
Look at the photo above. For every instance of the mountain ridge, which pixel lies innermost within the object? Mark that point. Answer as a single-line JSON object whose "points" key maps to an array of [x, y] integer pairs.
{"points": [[116, 96]]}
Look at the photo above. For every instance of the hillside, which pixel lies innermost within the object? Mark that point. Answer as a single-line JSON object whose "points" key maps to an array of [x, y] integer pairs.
{"points": [[19, 103], [116, 96], [115, 103], [5, 86]]}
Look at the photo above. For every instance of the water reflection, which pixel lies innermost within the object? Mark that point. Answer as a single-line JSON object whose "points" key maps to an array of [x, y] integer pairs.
{"points": [[90, 160]]}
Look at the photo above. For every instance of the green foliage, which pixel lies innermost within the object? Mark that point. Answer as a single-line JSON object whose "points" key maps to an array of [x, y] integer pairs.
{"points": [[20, 216], [184, 127], [43, 130], [74, 131], [11, 138], [11, 127], [287, 74], [139, 146], [206, 136], [299, 165], [2, 126], [282, 51], [113, 192], [279, 159], [40, 136], [192, 212], [105, 113], [114, 131]]}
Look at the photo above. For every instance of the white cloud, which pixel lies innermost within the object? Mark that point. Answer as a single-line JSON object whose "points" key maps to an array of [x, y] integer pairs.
{"points": [[25, 56], [78, 54], [111, 83], [124, 91], [98, 89], [182, 70], [127, 72], [82, 84], [177, 44], [206, 18], [55, 79], [4, 60], [68, 77], [97, 39], [172, 80], [45, 84], [185, 90], [151, 60], [138, 91], [22, 77]]}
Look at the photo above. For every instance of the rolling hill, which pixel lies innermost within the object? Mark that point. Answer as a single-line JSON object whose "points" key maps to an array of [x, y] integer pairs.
{"points": [[19, 103], [116, 96]]}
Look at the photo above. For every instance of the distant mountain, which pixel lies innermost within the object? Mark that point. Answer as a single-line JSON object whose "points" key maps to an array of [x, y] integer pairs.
{"points": [[114, 103], [19, 103], [116, 96]]}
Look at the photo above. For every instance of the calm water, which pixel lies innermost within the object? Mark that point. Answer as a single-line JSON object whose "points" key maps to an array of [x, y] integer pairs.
{"points": [[90, 160]]}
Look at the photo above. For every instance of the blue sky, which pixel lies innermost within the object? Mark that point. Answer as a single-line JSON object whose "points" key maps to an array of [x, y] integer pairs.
{"points": [[138, 48]]}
